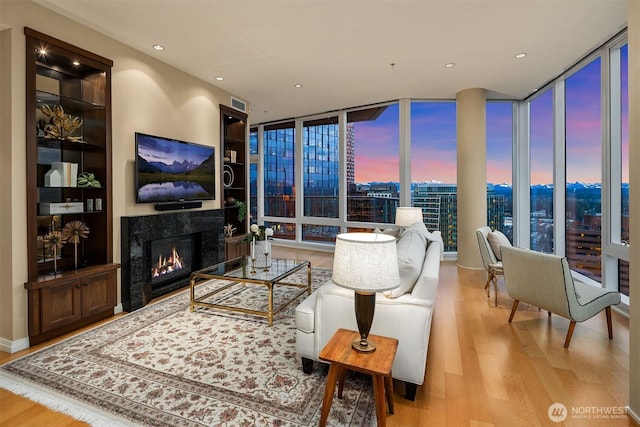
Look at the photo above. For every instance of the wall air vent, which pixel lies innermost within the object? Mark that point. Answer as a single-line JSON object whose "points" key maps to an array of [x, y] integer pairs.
{"points": [[239, 104]]}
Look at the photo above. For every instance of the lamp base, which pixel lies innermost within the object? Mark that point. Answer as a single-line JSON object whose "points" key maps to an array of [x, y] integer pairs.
{"points": [[365, 305], [357, 346]]}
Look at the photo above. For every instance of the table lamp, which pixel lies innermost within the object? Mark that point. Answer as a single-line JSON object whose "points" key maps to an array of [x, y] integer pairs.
{"points": [[366, 263], [406, 216]]}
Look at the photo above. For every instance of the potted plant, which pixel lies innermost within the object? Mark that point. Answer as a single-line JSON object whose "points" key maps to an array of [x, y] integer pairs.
{"points": [[242, 210]]}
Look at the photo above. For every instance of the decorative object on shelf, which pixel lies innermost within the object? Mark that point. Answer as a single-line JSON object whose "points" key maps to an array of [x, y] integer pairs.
{"points": [[260, 246], [365, 262], [98, 204], [229, 229], [53, 178], [88, 179], [72, 232], [89, 205], [242, 210], [62, 174], [230, 156], [61, 125], [61, 208], [228, 176], [53, 240]]}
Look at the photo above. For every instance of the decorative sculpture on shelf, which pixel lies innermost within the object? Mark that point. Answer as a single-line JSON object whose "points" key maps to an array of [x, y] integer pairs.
{"points": [[229, 229], [53, 240], [61, 125], [72, 232]]}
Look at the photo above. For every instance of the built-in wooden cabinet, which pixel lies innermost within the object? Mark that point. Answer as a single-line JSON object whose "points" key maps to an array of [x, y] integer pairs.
{"points": [[236, 246], [235, 188], [66, 302], [68, 136]]}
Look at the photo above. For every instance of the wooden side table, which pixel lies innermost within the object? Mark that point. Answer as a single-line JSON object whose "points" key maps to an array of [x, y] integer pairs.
{"points": [[342, 357]]}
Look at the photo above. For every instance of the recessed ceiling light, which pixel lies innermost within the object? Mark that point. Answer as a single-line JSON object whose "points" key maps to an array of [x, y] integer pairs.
{"points": [[298, 85], [219, 78], [158, 47], [76, 62], [42, 51], [450, 65], [520, 55]]}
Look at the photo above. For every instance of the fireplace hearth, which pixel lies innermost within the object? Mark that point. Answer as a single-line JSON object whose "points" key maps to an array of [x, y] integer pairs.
{"points": [[160, 251]]}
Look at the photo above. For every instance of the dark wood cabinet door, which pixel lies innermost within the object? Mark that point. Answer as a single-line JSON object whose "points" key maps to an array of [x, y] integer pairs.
{"points": [[98, 294], [61, 305]]}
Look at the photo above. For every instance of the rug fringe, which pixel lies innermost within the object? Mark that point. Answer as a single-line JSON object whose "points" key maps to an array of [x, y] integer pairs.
{"points": [[83, 413]]}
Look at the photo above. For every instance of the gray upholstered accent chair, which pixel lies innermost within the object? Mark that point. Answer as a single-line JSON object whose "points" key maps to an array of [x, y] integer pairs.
{"points": [[490, 261], [545, 281]]}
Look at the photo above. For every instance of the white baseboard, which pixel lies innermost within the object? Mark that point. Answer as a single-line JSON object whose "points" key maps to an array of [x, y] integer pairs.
{"points": [[14, 346], [633, 415]]}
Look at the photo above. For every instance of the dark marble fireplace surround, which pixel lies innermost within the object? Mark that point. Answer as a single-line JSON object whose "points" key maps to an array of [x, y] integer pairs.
{"points": [[207, 227]]}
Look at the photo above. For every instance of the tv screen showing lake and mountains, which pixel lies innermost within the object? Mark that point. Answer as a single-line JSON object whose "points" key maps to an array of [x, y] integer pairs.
{"points": [[171, 170]]}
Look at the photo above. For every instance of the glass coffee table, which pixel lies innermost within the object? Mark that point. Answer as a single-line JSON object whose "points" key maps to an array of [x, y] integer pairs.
{"points": [[238, 272]]}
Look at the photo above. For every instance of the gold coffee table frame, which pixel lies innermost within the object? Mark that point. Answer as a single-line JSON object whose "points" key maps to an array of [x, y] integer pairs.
{"points": [[238, 271]]}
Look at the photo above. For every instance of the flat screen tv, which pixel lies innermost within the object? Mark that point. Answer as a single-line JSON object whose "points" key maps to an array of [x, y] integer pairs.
{"points": [[168, 170]]}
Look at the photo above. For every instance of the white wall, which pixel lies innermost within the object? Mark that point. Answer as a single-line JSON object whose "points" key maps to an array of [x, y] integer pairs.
{"points": [[147, 96]]}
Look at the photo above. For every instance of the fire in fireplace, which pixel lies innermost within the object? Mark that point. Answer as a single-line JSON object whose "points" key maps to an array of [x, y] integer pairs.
{"points": [[167, 265], [171, 259]]}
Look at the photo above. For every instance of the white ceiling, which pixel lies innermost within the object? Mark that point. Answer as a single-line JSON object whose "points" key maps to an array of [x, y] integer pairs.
{"points": [[341, 51]]}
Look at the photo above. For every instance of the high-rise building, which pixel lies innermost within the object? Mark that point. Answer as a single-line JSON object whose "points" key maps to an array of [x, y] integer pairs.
{"points": [[439, 203]]}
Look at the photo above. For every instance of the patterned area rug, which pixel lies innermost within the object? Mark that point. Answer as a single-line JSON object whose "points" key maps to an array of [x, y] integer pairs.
{"points": [[165, 366]]}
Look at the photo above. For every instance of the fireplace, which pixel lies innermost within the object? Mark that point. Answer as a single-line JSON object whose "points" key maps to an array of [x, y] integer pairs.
{"points": [[159, 252], [171, 259]]}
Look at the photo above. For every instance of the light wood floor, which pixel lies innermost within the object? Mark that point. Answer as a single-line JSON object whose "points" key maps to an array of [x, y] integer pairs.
{"points": [[481, 370]]}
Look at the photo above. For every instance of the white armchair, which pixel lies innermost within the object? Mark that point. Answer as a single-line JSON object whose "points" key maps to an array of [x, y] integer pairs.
{"points": [[545, 281]]}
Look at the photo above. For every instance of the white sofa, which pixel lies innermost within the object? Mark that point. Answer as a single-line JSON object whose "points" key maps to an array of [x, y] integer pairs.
{"points": [[406, 317]]}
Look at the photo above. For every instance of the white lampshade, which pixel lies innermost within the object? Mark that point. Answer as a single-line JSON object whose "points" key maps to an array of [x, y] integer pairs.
{"points": [[406, 216], [366, 262]]}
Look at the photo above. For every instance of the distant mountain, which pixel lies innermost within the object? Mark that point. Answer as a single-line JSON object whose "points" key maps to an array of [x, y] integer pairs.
{"points": [[144, 166], [175, 167], [581, 186], [207, 167]]}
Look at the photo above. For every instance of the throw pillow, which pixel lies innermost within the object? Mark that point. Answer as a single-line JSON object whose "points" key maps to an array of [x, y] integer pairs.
{"points": [[496, 240], [411, 252]]}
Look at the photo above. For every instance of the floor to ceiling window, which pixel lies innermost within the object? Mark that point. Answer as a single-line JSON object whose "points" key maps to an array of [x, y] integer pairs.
{"points": [[321, 177], [499, 167], [541, 171], [617, 251], [583, 170], [373, 164], [279, 175], [433, 167], [253, 174]]}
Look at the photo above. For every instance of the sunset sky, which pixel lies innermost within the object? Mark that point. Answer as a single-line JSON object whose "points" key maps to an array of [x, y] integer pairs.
{"points": [[433, 132]]}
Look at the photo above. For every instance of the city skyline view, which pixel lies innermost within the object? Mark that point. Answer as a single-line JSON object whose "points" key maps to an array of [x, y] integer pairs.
{"points": [[433, 133]]}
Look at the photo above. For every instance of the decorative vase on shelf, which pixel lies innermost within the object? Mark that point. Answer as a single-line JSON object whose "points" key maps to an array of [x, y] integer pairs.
{"points": [[263, 254]]}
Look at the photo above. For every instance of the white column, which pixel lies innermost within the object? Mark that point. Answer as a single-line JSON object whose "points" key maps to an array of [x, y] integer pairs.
{"points": [[472, 173]]}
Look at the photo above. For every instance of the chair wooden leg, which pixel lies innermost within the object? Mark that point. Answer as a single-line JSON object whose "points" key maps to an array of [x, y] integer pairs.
{"points": [[609, 324], [488, 283], [513, 309], [567, 340], [495, 289]]}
